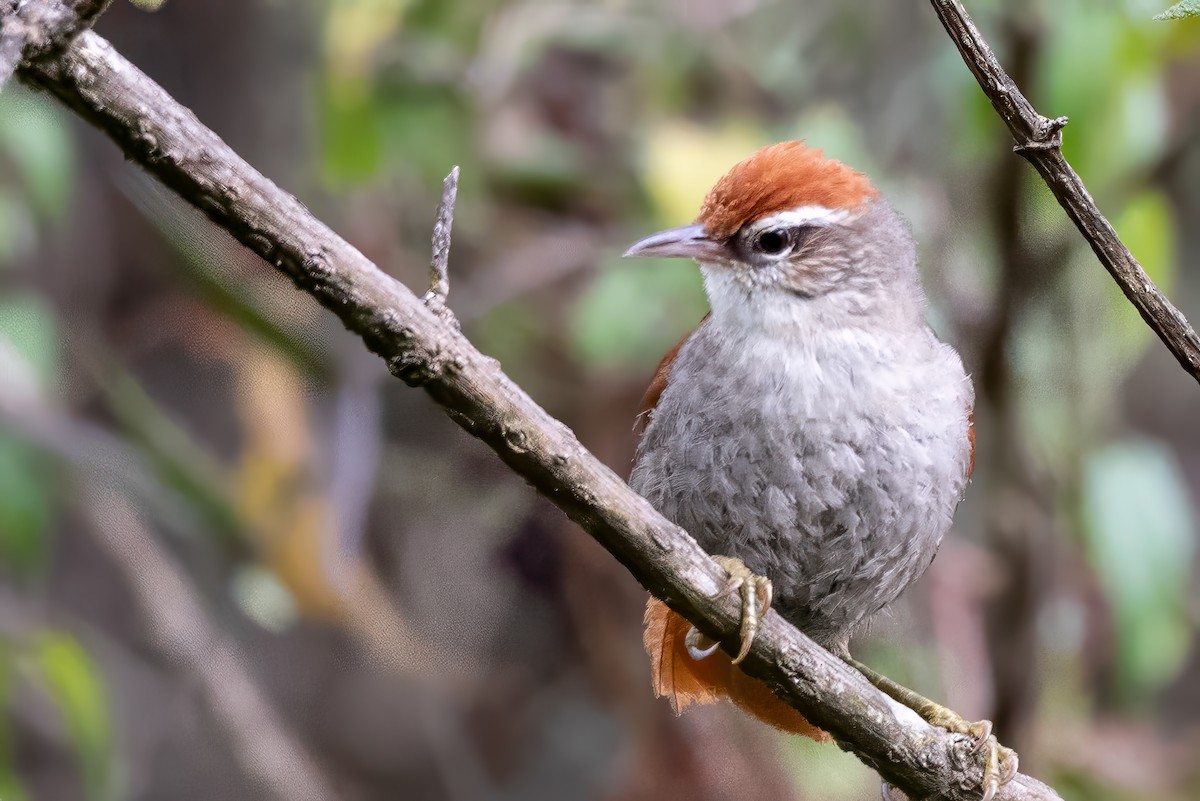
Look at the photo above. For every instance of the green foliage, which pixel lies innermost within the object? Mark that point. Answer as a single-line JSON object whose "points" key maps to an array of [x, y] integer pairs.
{"points": [[11, 788], [510, 333], [822, 772], [370, 132], [26, 475], [25, 505], [1080, 338], [1139, 522], [1188, 8], [35, 138], [1105, 74], [375, 124], [28, 325], [75, 684], [36, 150], [350, 136], [635, 312], [16, 226], [1146, 228]]}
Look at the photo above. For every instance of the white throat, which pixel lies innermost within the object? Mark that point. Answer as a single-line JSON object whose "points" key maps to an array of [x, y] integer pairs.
{"points": [[737, 307]]}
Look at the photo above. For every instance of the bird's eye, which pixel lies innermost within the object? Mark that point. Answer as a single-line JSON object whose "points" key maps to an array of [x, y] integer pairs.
{"points": [[774, 241]]}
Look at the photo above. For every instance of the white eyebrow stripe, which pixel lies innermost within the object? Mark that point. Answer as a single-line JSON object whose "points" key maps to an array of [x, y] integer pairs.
{"points": [[803, 215]]}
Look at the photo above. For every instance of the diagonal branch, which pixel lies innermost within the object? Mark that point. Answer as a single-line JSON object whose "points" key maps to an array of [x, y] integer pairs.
{"points": [[32, 29], [429, 352], [184, 633], [1039, 141]]}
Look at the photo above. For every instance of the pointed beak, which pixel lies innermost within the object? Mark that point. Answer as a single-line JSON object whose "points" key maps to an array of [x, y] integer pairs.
{"points": [[688, 242]]}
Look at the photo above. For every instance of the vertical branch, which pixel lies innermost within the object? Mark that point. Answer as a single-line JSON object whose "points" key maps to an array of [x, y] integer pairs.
{"points": [[439, 266], [1013, 519]]}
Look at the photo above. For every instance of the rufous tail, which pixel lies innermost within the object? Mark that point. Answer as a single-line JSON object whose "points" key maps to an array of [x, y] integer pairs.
{"points": [[685, 681]]}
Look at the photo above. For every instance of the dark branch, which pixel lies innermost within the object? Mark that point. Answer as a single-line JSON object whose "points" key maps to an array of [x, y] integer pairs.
{"points": [[1038, 141], [426, 351], [31, 29]]}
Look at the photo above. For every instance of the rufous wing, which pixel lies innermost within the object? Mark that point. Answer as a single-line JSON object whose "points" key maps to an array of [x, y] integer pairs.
{"points": [[659, 383]]}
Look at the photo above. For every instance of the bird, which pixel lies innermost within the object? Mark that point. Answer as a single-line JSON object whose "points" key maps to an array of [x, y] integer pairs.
{"points": [[812, 433]]}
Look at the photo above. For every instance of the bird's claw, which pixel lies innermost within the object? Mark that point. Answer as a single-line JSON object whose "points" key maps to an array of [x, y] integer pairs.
{"points": [[755, 593], [999, 767], [999, 762], [980, 731]]}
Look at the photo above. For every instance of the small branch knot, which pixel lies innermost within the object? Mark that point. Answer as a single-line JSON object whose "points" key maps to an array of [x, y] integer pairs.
{"points": [[1046, 136], [412, 369]]}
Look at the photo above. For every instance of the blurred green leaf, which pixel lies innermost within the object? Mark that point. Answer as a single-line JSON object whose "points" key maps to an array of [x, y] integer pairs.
{"points": [[350, 135], [1145, 226], [375, 117], [26, 475], [16, 226], [1188, 8], [827, 773], [370, 132], [429, 120], [356, 29], [1139, 525], [10, 783], [510, 332], [1105, 74], [26, 505], [77, 688], [28, 324], [635, 312], [34, 136], [829, 127], [1080, 73]]}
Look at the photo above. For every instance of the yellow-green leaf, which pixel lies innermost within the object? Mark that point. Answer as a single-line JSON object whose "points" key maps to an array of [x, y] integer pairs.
{"points": [[683, 161], [76, 686]]}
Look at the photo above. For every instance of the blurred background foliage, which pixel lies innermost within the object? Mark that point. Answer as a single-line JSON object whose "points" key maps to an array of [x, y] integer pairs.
{"points": [[193, 457]]}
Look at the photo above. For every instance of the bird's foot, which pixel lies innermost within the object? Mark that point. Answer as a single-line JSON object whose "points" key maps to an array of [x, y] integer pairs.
{"points": [[999, 762], [755, 592]]}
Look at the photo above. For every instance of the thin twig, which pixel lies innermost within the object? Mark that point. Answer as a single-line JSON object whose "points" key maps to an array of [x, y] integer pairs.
{"points": [[426, 351], [182, 630], [34, 28], [175, 617], [439, 266], [1039, 141]]}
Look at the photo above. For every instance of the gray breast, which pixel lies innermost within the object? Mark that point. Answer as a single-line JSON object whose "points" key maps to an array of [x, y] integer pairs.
{"points": [[833, 468]]}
